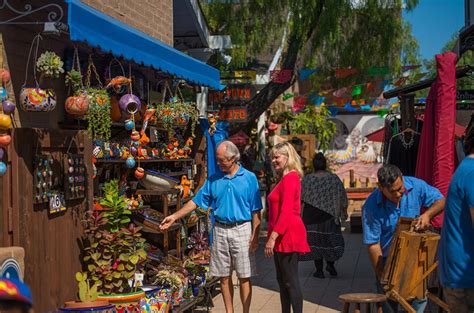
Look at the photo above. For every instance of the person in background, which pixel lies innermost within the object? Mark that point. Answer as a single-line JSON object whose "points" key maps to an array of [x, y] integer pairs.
{"points": [[286, 232], [324, 207], [396, 196], [234, 198], [456, 247], [15, 297]]}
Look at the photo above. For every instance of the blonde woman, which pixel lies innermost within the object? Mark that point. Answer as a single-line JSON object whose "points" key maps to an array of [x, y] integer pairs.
{"points": [[286, 231]]}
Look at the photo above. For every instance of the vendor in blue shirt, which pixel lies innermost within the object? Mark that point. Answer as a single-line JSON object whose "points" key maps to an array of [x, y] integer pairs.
{"points": [[396, 196], [234, 198], [456, 247]]}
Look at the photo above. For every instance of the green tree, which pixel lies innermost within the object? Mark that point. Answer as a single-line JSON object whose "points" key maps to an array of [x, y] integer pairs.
{"points": [[324, 33]]}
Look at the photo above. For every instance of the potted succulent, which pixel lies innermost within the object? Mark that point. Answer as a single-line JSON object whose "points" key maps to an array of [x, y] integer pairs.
{"points": [[49, 64], [87, 295], [113, 250], [78, 103], [98, 115], [170, 279]]}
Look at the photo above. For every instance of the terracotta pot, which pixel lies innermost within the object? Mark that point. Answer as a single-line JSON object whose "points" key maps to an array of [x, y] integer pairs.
{"points": [[77, 105], [135, 136], [139, 173], [5, 121], [37, 100], [86, 305], [5, 140]]}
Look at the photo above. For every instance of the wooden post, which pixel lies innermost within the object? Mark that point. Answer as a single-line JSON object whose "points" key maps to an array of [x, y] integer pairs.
{"points": [[351, 181], [165, 234], [407, 111]]}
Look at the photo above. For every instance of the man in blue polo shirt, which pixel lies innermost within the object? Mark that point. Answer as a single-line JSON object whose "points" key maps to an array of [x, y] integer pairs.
{"points": [[456, 248], [234, 198], [396, 196]]}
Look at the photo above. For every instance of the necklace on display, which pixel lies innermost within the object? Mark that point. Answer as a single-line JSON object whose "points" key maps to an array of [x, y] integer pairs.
{"points": [[408, 144]]}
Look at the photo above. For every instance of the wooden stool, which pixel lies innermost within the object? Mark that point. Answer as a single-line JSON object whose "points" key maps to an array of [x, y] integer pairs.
{"points": [[368, 298]]}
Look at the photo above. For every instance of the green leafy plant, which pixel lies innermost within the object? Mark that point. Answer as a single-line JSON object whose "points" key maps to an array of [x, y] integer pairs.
{"points": [[314, 120], [98, 116], [118, 214], [175, 113], [112, 258], [49, 64], [74, 80], [166, 277], [87, 293]]}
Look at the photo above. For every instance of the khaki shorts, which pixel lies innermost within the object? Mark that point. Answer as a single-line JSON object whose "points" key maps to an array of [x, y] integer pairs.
{"points": [[460, 300], [230, 251]]}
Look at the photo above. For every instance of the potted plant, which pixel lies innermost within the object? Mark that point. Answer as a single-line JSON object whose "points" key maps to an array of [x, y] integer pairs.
{"points": [[113, 250], [98, 115], [49, 64], [175, 113], [78, 103], [169, 279], [87, 295]]}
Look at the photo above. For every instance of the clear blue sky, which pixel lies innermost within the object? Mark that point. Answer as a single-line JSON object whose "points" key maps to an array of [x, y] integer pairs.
{"points": [[434, 22]]}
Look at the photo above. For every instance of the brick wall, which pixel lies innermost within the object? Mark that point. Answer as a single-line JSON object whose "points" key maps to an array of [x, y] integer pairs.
{"points": [[153, 17]]}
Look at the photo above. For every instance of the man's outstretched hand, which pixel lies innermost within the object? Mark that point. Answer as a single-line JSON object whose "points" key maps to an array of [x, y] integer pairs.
{"points": [[167, 222]]}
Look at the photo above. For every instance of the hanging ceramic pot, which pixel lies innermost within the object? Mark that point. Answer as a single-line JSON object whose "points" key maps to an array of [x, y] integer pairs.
{"points": [[77, 105], [139, 173], [130, 103], [3, 168], [5, 140], [8, 106], [129, 124], [135, 136], [5, 121], [1, 153], [130, 162], [5, 75], [37, 100]]}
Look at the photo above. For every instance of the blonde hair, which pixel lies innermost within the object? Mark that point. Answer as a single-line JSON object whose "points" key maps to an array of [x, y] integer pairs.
{"points": [[294, 161]]}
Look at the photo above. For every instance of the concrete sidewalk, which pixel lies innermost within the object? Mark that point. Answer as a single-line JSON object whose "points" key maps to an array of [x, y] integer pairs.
{"points": [[320, 295]]}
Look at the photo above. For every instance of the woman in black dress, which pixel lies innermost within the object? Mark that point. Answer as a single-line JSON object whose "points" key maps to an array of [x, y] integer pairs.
{"points": [[324, 206]]}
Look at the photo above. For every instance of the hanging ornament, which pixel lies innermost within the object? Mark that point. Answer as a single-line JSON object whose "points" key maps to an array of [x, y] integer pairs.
{"points": [[3, 168], [5, 140], [1, 153], [3, 92], [135, 136], [5, 75], [8, 106], [139, 173], [5, 121], [130, 162], [129, 124]]}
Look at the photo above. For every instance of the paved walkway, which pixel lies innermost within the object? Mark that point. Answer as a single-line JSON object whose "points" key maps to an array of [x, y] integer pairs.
{"points": [[320, 295]]}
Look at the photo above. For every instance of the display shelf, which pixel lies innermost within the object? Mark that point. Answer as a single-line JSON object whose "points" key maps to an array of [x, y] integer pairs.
{"points": [[154, 228], [183, 200], [148, 192], [143, 161]]}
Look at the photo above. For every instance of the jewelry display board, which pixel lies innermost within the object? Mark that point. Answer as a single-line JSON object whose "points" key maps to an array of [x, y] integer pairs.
{"points": [[74, 176], [47, 177]]}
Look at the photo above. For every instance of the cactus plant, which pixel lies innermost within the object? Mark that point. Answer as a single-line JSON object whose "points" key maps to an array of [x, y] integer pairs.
{"points": [[86, 292]]}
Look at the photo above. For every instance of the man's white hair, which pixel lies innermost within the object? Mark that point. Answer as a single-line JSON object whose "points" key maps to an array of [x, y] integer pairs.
{"points": [[231, 150]]}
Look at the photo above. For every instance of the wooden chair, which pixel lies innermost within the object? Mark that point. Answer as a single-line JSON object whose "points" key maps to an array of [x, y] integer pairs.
{"points": [[371, 300]]}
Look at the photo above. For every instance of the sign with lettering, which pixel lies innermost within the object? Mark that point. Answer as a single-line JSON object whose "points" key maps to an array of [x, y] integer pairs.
{"points": [[465, 95], [233, 94], [233, 114]]}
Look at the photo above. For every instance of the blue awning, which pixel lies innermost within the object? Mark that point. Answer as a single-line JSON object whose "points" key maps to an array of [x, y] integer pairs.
{"points": [[100, 30]]}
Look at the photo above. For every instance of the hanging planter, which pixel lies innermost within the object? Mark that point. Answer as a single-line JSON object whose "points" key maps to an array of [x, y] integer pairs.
{"points": [[98, 116], [36, 99], [78, 104]]}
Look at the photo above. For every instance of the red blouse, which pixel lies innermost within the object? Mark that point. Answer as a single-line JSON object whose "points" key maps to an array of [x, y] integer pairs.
{"points": [[284, 215]]}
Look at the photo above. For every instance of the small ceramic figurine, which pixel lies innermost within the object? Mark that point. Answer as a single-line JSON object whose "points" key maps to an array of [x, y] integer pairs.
{"points": [[212, 118]]}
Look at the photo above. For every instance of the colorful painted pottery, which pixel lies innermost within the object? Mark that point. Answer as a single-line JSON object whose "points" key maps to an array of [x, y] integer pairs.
{"points": [[125, 303], [5, 140], [129, 124], [5, 75], [130, 162], [156, 300], [135, 136], [77, 105], [3, 168], [129, 103], [3, 92], [158, 181], [8, 106], [139, 173], [37, 99], [5, 121], [1, 153], [94, 306]]}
